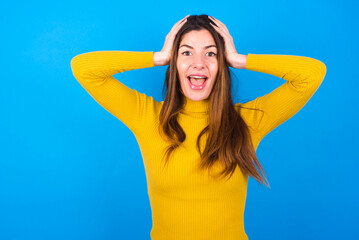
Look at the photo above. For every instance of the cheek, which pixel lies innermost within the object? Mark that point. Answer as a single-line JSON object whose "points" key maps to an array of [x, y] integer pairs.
{"points": [[182, 68], [181, 73], [214, 69]]}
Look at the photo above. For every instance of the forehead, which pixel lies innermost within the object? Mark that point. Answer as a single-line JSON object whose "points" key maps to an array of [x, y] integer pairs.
{"points": [[198, 38]]}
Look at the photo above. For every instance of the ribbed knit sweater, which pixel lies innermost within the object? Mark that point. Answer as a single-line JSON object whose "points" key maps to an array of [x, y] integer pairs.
{"points": [[187, 204]]}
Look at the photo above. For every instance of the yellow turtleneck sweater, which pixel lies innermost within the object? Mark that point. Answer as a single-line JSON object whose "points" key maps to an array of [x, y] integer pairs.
{"points": [[188, 204]]}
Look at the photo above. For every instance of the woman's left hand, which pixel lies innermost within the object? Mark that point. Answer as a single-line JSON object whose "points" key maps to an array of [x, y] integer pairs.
{"points": [[233, 59]]}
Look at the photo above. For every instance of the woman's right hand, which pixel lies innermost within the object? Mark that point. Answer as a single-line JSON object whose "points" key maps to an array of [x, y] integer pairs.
{"points": [[163, 57]]}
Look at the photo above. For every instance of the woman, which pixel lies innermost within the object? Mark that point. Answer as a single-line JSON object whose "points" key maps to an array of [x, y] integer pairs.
{"points": [[196, 136]]}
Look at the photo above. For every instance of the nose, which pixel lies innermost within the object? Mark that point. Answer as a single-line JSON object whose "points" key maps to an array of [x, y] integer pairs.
{"points": [[198, 61]]}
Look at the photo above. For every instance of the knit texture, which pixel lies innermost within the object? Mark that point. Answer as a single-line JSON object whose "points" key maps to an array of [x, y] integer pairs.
{"points": [[186, 203]]}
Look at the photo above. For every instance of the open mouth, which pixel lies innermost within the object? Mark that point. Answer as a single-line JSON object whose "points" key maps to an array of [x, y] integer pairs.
{"points": [[197, 83]]}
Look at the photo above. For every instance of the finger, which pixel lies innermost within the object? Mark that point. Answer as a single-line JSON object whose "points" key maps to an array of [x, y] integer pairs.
{"points": [[176, 27], [216, 20], [180, 23], [219, 23], [183, 19], [221, 31]]}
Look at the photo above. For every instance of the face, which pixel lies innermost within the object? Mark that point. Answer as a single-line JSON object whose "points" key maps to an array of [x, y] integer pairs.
{"points": [[197, 64]]}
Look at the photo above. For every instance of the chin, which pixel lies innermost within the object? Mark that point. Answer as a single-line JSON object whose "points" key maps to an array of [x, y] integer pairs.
{"points": [[197, 96]]}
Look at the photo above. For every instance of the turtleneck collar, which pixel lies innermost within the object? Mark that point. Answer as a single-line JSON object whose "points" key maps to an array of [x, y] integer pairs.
{"points": [[191, 106]]}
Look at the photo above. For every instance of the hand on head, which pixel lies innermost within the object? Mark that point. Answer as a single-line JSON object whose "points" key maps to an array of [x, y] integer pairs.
{"points": [[232, 57], [163, 57], [230, 50]]}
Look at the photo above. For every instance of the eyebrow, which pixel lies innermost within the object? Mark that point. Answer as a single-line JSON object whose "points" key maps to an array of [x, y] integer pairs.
{"points": [[186, 45]]}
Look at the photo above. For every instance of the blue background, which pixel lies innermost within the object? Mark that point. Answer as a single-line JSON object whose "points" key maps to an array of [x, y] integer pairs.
{"points": [[71, 170]]}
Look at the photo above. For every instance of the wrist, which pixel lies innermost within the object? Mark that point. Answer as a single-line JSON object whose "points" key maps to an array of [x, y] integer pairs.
{"points": [[155, 58], [240, 61], [158, 59]]}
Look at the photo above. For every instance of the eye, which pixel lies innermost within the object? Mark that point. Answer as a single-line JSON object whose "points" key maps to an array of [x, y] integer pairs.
{"points": [[185, 53], [212, 54]]}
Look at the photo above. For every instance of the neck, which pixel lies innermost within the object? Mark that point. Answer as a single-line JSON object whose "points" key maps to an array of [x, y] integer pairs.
{"points": [[201, 106]]}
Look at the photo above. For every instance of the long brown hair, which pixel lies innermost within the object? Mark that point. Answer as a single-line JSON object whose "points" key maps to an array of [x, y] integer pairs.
{"points": [[229, 140]]}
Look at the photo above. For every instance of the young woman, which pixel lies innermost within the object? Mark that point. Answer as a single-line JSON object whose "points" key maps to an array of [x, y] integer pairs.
{"points": [[196, 137]]}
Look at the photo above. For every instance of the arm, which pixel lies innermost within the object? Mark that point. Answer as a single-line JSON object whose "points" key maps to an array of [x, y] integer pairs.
{"points": [[303, 77], [94, 71]]}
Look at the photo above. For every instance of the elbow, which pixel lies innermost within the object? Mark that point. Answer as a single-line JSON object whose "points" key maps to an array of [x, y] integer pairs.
{"points": [[321, 72], [73, 61], [321, 68], [85, 71], [76, 67], [317, 71]]}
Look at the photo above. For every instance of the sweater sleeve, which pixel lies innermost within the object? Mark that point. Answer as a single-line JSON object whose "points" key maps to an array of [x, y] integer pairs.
{"points": [[94, 71], [303, 77]]}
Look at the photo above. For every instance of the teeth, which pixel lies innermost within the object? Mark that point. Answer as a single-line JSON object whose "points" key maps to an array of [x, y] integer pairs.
{"points": [[198, 82], [196, 77]]}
